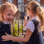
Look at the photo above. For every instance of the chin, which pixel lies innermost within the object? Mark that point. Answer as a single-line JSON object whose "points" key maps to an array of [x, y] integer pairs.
{"points": [[8, 22]]}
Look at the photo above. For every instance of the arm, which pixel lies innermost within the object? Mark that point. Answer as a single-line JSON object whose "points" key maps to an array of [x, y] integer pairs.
{"points": [[23, 39], [18, 39], [26, 21]]}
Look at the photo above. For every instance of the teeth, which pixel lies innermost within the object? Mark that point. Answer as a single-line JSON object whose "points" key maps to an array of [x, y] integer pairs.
{"points": [[8, 19]]}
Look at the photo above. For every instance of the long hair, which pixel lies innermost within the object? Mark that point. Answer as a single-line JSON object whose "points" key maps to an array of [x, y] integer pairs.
{"points": [[12, 6], [36, 8]]}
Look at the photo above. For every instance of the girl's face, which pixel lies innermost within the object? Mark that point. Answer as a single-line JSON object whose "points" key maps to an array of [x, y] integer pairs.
{"points": [[8, 15], [30, 13]]}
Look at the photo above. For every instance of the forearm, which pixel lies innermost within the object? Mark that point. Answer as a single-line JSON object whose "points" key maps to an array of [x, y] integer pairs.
{"points": [[25, 22], [18, 39]]}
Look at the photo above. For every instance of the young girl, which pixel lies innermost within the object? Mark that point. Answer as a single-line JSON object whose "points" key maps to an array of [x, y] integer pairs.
{"points": [[33, 27], [8, 12]]}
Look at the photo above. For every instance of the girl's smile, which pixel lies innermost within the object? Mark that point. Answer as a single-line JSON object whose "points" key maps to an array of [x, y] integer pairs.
{"points": [[9, 15]]}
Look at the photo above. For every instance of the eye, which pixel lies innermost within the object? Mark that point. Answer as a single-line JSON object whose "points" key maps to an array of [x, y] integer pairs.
{"points": [[9, 14], [13, 15]]}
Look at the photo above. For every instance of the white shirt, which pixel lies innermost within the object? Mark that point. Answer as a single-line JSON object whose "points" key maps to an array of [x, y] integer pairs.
{"points": [[5, 22], [30, 24]]}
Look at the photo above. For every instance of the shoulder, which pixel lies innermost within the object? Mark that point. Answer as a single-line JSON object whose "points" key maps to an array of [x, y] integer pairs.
{"points": [[30, 25], [1, 25]]}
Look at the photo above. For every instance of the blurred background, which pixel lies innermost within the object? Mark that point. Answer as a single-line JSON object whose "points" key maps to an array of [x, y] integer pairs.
{"points": [[19, 28], [21, 3]]}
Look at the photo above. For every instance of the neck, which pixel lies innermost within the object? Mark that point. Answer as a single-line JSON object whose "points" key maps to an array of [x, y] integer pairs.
{"points": [[5, 22], [32, 15]]}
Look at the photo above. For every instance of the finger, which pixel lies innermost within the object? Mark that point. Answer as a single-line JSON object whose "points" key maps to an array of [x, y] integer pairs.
{"points": [[25, 17], [2, 36], [4, 40], [6, 33]]}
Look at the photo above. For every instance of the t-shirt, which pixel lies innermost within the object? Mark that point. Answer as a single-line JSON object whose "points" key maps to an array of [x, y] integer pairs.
{"points": [[30, 24], [5, 22]]}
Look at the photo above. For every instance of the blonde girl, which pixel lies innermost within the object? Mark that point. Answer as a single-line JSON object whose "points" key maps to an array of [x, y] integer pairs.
{"points": [[8, 12]]}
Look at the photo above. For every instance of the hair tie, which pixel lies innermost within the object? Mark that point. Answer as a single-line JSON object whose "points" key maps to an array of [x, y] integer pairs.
{"points": [[5, 5], [37, 5]]}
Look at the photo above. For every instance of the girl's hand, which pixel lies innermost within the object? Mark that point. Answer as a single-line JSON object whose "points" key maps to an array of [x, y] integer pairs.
{"points": [[6, 37], [25, 21], [25, 17]]}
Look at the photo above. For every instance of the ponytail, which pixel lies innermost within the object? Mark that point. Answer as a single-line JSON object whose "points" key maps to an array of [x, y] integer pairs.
{"points": [[40, 14], [37, 9]]}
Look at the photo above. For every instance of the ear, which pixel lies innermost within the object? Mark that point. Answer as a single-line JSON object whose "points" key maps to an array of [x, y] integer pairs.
{"points": [[30, 10]]}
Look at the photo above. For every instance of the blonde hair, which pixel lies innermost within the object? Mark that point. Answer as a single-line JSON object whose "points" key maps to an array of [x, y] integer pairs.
{"points": [[6, 5], [36, 9]]}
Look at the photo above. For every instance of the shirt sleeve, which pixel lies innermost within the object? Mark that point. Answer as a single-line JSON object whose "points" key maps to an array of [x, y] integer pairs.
{"points": [[30, 25]]}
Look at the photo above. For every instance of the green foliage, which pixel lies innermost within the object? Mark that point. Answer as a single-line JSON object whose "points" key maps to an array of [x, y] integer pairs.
{"points": [[16, 29], [20, 29]]}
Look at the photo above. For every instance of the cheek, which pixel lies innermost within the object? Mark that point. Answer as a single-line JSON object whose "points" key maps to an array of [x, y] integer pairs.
{"points": [[5, 17], [28, 13], [13, 18]]}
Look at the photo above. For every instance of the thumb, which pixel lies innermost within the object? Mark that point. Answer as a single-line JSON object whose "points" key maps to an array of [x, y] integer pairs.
{"points": [[25, 17], [6, 33]]}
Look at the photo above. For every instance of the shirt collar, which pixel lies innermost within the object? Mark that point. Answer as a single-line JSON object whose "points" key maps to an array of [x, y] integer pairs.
{"points": [[6, 22], [35, 18]]}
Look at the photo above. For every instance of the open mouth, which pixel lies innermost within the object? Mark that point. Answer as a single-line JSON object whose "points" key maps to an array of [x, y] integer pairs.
{"points": [[9, 19]]}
